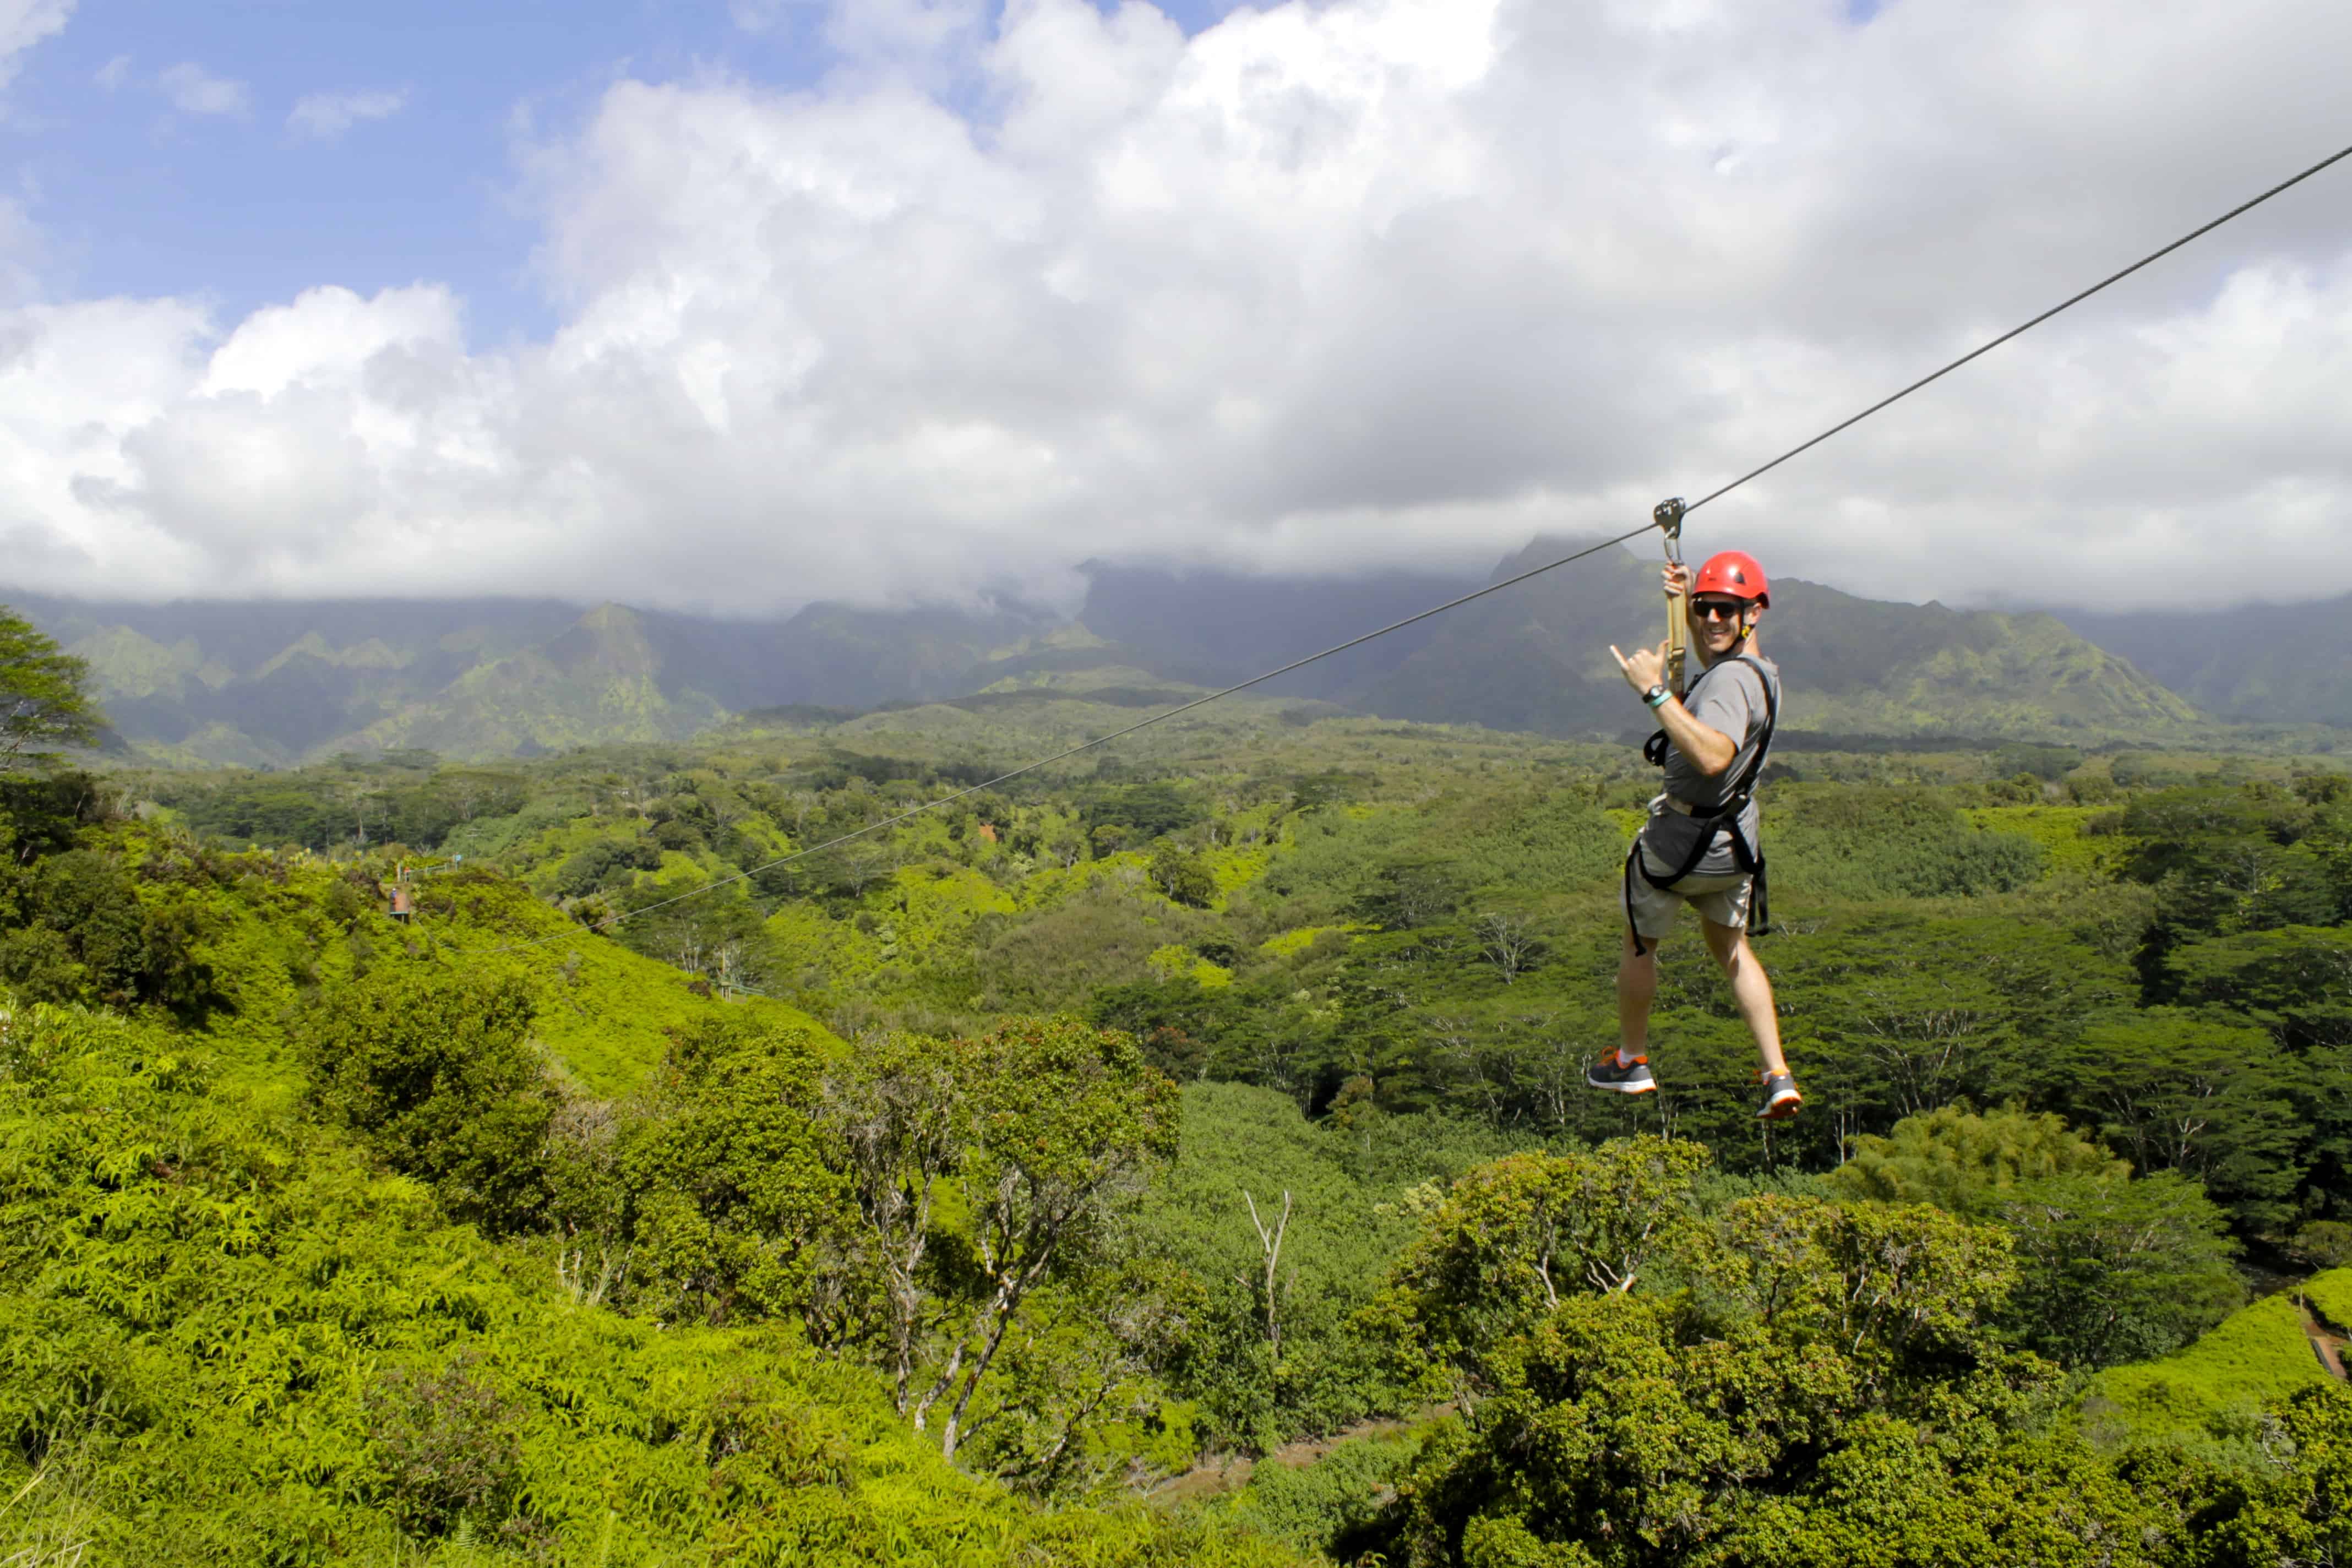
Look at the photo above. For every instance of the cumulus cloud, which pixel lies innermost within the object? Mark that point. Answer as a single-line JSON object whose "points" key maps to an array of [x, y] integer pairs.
{"points": [[325, 116], [191, 89], [1328, 286], [111, 76]]}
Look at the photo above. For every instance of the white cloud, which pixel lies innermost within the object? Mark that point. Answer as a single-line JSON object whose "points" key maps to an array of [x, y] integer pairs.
{"points": [[324, 116], [1332, 284], [23, 24], [193, 89], [111, 76]]}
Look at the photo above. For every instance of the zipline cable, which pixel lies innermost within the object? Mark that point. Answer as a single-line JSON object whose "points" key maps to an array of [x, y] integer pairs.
{"points": [[2242, 208], [1512, 582]]}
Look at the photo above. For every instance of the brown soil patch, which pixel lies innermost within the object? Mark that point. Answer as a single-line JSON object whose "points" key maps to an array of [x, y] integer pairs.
{"points": [[1217, 1474], [2326, 1343]]}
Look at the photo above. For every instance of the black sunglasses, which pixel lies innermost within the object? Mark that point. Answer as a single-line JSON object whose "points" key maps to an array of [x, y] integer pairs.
{"points": [[1718, 609]]}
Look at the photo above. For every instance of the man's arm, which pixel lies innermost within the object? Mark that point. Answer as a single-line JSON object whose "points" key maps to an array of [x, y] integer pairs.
{"points": [[1709, 749]]}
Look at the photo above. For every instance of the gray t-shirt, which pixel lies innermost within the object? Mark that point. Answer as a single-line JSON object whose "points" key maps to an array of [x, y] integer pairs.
{"points": [[1727, 698]]}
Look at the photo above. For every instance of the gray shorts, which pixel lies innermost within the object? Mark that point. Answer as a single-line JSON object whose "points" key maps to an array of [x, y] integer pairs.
{"points": [[1722, 899]]}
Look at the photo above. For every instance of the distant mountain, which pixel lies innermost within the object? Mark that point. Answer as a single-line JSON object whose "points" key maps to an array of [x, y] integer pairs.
{"points": [[2256, 663], [273, 683], [269, 684], [1217, 627], [598, 680]]}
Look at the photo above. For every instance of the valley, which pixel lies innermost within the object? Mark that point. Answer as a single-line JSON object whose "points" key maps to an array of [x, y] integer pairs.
{"points": [[630, 1200]]}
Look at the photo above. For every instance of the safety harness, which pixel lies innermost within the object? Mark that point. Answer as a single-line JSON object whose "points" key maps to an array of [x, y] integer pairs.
{"points": [[1684, 840]]}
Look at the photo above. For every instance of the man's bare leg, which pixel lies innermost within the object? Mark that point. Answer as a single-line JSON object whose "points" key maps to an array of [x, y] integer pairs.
{"points": [[1637, 988], [1749, 988]]}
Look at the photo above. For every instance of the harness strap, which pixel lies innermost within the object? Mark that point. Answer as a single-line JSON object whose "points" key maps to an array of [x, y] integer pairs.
{"points": [[1746, 856]]}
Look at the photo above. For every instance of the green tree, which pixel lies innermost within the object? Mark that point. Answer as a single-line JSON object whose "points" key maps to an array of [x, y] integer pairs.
{"points": [[1143, 812], [2230, 861], [2294, 1507], [2113, 1268], [2109, 1268], [1514, 1240], [1182, 875], [2296, 981], [730, 1203], [1066, 1123], [433, 1071], [1961, 1160], [1298, 1281], [2192, 1092], [74, 929], [1741, 1423], [1412, 894], [45, 701], [900, 1114]]}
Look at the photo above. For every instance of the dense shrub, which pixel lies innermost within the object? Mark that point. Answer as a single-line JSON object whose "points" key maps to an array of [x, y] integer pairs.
{"points": [[432, 1069]]}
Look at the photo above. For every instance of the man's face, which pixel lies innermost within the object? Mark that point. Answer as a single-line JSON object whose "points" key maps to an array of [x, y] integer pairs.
{"points": [[1719, 621]]}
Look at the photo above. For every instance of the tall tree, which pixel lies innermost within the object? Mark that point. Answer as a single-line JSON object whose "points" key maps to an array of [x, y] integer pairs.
{"points": [[45, 701], [1065, 1120], [900, 1114]]}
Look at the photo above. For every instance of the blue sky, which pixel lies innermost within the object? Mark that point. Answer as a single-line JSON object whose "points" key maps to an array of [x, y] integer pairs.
{"points": [[138, 195]]}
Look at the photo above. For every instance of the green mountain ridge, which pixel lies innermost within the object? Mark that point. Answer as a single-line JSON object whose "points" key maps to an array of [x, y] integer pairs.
{"points": [[2256, 662], [276, 685], [599, 681]]}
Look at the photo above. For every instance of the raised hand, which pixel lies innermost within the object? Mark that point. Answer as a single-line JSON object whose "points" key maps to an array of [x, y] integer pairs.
{"points": [[1644, 668]]}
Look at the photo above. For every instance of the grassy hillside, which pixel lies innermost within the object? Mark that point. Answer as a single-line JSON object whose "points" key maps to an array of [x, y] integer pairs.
{"points": [[186, 1386], [2259, 1356], [271, 926]]}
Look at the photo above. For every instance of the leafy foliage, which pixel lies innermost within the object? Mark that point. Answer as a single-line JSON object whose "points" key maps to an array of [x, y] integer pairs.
{"points": [[853, 1210], [2111, 1269], [228, 1340], [45, 697], [432, 1071]]}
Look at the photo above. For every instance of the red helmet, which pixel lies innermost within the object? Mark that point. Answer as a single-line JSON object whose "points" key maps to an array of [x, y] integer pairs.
{"points": [[1735, 575]]}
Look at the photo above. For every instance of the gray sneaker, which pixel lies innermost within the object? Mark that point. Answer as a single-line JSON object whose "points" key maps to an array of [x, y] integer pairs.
{"points": [[1631, 1078], [1781, 1100]]}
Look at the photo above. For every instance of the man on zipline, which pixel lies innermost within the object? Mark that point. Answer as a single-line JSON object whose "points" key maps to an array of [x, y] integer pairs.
{"points": [[1700, 846]]}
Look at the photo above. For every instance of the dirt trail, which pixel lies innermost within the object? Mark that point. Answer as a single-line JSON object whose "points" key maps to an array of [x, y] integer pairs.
{"points": [[2327, 1342], [1218, 1474]]}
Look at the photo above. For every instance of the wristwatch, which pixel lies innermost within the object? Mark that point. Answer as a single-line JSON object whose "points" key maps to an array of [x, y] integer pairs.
{"points": [[1656, 696]]}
